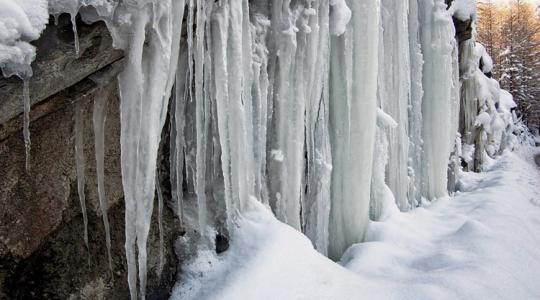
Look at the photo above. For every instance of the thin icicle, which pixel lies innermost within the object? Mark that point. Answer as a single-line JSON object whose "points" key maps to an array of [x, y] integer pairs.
{"points": [[179, 124], [160, 225], [99, 117], [201, 117], [80, 166], [26, 128], [75, 33]]}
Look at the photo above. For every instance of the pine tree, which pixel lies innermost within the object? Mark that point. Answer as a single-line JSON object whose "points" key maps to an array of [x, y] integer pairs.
{"points": [[518, 59], [488, 29]]}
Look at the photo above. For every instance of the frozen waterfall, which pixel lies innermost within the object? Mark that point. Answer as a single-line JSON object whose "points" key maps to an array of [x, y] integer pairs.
{"points": [[330, 112]]}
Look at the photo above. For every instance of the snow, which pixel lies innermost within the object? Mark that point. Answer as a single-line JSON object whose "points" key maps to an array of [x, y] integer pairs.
{"points": [[340, 15], [463, 9], [20, 23], [481, 243], [487, 61]]}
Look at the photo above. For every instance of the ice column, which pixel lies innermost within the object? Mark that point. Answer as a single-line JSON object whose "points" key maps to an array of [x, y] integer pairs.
{"points": [[415, 107], [353, 99], [286, 165], [231, 58], [316, 205], [438, 44], [394, 93]]}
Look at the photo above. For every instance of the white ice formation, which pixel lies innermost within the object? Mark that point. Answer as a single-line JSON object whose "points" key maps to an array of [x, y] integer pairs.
{"points": [[328, 112]]}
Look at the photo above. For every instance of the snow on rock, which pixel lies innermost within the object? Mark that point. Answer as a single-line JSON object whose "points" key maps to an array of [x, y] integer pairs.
{"points": [[487, 61], [20, 23], [463, 9]]}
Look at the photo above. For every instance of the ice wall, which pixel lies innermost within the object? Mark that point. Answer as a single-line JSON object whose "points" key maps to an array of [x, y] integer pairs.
{"points": [[328, 112]]}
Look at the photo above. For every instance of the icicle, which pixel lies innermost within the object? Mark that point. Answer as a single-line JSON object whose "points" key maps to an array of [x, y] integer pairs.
{"points": [[438, 44], [288, 138], [75, 34], [26, 126], [394, 92], [353, 100], [316, 205], [260, 102], [230, 62], [145, 88], [415, 107], [179, 124], [99, 117], [201, 116], [80, 166], [160, 225]]}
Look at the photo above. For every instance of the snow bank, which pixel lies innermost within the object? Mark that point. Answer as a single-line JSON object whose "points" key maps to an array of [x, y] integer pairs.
{"points": [[480, 244], [20, 23], [267, 260]]}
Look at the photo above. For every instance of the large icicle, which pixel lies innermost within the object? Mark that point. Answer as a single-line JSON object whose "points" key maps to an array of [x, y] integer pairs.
{"points": [[152, 38], [202, 114], [99, 117], [438, 44], [231, 58], [394, 93], [259, 94], [415, 107], [286, 165], [353, 99], [316, 206]]}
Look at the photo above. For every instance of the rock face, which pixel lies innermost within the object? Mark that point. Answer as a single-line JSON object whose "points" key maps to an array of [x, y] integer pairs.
{"points": [[42, 251]]}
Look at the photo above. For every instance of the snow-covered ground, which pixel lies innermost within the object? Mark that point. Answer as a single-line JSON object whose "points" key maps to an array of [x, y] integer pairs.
{"points": [[483, 243]]}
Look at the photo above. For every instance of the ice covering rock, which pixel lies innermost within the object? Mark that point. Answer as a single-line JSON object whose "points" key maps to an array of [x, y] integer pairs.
{"points": [[328, 112]]}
